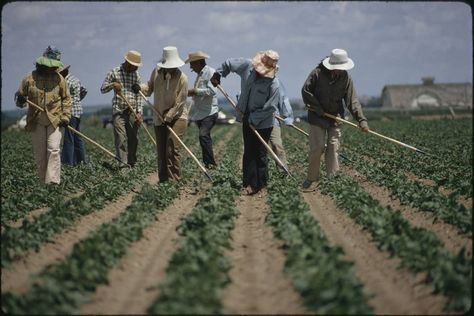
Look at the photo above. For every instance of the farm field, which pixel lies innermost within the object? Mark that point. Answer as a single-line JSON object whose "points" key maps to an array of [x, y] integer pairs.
{"points": [[390, 234]]}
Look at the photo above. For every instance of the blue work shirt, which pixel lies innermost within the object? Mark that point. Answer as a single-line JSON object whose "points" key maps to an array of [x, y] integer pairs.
{"points": [[259, 98], [205, 100], [285, 108]]}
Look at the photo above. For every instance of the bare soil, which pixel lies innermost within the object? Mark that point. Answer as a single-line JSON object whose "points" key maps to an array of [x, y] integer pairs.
{"points": [[17, 278], [395, 291], [37, 212], [133, 284], [452, 239], [259, 285]]}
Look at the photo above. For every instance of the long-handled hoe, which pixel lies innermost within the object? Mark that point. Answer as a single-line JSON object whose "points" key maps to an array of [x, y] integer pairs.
{"points": [[108, 152], [141, 122], [281, 119], [176, 136], [372, 132], [255, 131]]}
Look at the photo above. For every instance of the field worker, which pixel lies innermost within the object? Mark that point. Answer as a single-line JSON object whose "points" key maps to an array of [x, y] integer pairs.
{"points": [[46, 88], [205, 107], [276, 142], [324, 91], [170, 87], [73, 152], [121, 79], [259, 100]]}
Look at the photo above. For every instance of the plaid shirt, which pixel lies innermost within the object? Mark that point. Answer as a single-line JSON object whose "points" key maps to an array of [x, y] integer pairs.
{"points": [[127, 80], [74, 86]]}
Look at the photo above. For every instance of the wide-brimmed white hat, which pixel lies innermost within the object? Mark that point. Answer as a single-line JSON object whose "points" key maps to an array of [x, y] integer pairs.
{"points": [[170, 58], [134, 58], [265, 63], [196, 56], [338, 60]]}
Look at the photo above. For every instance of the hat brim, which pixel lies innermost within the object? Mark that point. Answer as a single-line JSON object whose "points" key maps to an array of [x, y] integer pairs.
{"points": [[49, 62], [171, 64], [196, 57], [345, 66], [132, 63], [187, 61], [261, 68]]}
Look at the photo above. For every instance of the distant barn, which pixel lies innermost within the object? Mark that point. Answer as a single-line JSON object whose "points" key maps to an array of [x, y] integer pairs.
{"points": [[427, 95]]}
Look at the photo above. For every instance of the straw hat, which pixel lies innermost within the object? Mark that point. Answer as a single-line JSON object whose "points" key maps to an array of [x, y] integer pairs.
{"points": [[170, 58], [196, 56], [265, 63], [338, 60], [134, 58]]}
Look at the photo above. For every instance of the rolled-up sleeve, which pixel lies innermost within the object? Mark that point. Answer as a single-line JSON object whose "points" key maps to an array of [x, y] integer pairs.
{"points": [[107, 84]]}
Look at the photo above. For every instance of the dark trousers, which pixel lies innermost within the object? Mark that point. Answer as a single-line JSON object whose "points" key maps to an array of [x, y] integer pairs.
{"points": [[167, 150], [73, 151], [205, 125], [254, 163]]}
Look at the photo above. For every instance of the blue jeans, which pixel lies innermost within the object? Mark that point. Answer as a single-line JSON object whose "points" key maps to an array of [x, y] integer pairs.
{"points": [[205, 125], [73, 151]]}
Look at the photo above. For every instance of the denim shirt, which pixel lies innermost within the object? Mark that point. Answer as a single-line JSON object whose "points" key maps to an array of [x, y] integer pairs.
{"points": [[205, 100], [285, 111], [259, 98]]}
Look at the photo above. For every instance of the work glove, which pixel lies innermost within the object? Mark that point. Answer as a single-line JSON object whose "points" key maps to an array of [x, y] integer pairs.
{"points": [[20, 100], [216, 79], [63, 123], [136, 88]]}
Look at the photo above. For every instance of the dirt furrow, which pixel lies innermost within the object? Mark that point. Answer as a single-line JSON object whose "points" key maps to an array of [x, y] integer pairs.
{"points": [[395, 291], [461, 199], [259, 285], [37, 212], [448, 234], [17, 278], [133, 284]]}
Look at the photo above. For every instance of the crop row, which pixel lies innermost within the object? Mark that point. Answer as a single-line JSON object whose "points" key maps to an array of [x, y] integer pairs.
{"points": [[326, 281], [198, 270], [418, 249], [21, 190], [63, 287], [63, 213], [448, 143], [413, 193]]}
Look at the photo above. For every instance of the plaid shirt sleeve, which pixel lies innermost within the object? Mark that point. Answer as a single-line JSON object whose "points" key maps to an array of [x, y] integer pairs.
{"points": [[74, 86], [127, 80]]}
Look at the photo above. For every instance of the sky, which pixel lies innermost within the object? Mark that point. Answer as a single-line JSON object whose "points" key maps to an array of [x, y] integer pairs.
{"points": [[389, 42]]}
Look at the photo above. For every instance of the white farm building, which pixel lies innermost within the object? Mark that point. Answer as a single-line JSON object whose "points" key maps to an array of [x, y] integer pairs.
{"points": [[427, 95]]}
